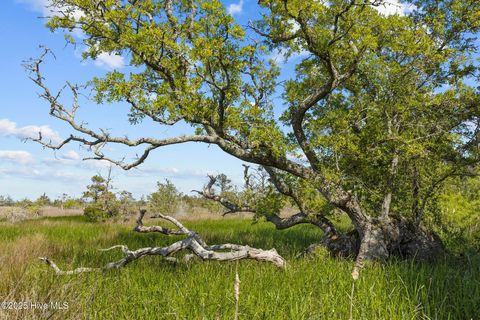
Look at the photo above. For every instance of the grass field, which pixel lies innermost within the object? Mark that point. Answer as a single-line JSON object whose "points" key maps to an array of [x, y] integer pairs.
{"points": [[317, 287]]}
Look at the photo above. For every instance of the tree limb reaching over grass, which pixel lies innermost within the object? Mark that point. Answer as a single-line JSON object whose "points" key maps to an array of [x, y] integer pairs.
{"points": [[192, 242], [263, 188]]}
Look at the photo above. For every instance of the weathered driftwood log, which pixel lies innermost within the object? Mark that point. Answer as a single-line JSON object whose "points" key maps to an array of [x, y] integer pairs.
{"points": [[192, 242]]}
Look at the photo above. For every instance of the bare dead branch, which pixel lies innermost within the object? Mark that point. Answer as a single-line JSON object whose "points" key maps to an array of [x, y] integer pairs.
{"points": [[93, 139], [231, 207], [192, 242], [144, 229]]}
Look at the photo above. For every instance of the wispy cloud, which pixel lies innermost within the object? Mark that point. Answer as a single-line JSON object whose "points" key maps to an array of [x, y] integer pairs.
{"points": [[97, 164], [110, 61], [9, 128], [392, 7], [235, 8], [280, 55], [73, 159], [22, 172], [296, 156], [47, 8], [38, 5], [71, 155], [66, 175], [41, 174], [170, 172], [69, 158], [17, 156]]}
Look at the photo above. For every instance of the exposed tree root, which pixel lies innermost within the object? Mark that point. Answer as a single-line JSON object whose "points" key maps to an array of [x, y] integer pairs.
{"points": [[192, 242]]}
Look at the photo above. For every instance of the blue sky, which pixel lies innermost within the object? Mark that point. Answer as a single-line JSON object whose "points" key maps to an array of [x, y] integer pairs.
{"points": [[28, 170]]}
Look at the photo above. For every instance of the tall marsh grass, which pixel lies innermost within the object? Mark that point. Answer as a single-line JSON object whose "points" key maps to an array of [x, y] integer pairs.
{"points": [[314, 287]]}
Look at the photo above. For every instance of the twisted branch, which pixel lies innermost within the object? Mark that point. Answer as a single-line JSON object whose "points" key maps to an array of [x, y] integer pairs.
{"points": [[192, 242], [231, 207]]}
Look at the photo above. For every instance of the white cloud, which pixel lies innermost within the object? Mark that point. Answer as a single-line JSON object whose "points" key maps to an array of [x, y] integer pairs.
{"points": [[97, 164], [16, 156], [235, 8], [58, 161], [70, 158], [23, 172], [110, 61], [297, 157], [392, 7], [280, 55], [170, 172], [43, 175], [73, 159], [104, 59], [45, 7], [9, 128], [71, 155], [68, 175], [294, 25], [37, 5]]}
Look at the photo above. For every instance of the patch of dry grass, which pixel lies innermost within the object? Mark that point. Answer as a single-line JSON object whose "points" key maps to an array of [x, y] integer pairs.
{"points": [[21, 297], [16, 214], [50, 211]]}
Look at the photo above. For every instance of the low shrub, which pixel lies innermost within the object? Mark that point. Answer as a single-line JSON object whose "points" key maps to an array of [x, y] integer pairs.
{"points": [[96, 213]]}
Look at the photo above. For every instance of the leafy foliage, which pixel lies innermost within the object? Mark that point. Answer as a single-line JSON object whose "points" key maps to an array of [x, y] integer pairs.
{"points": [[458, 207], [103, 204], [166, 199], [127, 204]]}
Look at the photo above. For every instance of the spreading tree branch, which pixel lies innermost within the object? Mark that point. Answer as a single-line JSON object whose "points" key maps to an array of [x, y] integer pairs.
{"points": [[231, 206]]}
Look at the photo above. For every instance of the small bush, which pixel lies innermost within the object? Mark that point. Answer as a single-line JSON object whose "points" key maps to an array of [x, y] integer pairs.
{"points": [[95, 213], [166, 199], [72, 204], [33, 210]]}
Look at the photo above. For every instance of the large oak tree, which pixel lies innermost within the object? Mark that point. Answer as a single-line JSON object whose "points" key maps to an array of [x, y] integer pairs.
{"points": [[380, 112]]}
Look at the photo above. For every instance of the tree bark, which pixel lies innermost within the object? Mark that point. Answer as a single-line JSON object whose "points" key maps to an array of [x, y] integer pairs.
{"points": [[395, 236]]}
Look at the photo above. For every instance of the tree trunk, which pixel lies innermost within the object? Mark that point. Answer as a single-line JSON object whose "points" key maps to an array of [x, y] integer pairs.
{"points": [[396, 236]]}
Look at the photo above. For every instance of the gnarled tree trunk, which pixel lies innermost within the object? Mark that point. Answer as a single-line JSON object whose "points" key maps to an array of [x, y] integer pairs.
{"points": [[383, 237]]}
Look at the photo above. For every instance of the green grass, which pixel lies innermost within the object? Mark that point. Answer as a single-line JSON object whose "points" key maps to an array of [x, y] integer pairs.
{"points": [[317, 287]]}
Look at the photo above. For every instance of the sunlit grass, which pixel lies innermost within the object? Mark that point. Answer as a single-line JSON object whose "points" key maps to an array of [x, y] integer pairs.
{"points": [[316, 287]]}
